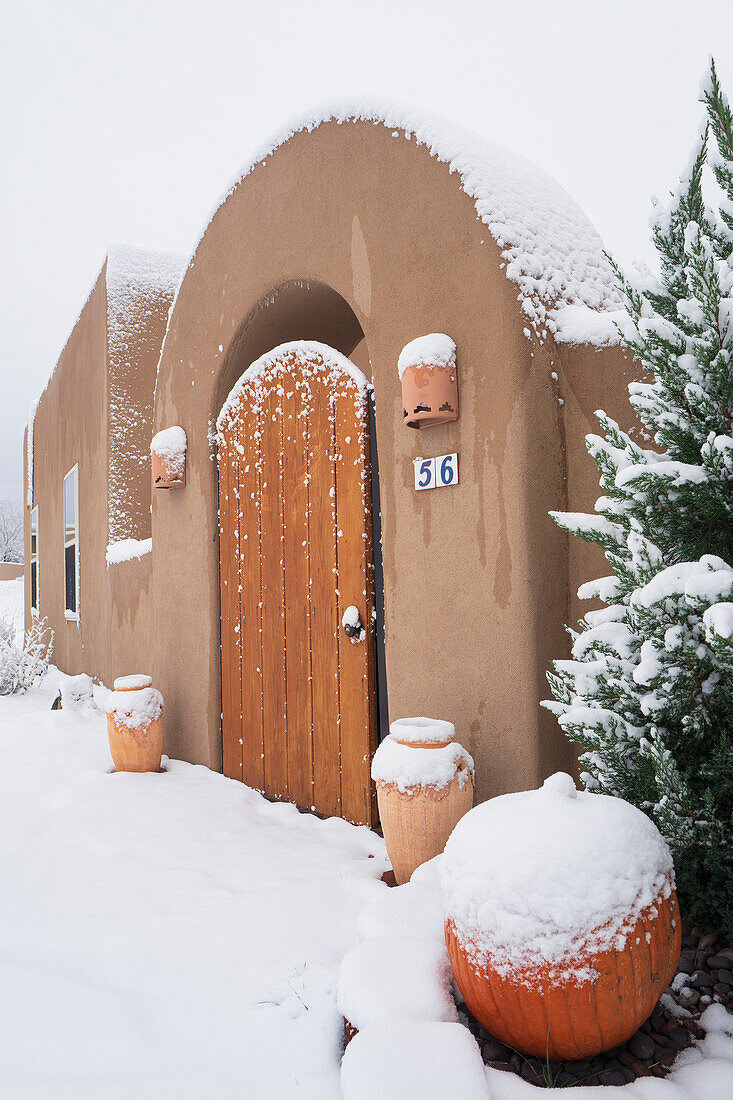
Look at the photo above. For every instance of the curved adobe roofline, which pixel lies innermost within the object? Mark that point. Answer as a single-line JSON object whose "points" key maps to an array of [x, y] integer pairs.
{"points": [[549, 247]]}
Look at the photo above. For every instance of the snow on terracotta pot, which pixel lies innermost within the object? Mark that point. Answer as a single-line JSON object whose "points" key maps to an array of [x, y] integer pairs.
{"points": [[427, 368], [168, 458], [424, 786], [135, 724], [562, 923]]}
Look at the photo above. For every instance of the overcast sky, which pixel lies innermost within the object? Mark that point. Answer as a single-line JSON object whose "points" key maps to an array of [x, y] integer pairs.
{"points": [[124, 121]]}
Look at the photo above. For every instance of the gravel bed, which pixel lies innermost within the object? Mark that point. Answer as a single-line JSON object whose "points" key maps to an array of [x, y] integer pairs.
{"points": [[704, 976]]}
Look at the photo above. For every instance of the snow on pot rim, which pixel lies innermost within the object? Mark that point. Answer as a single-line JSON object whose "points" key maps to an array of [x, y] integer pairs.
{"points": [[417, 730], [135, 709], [551, 877], [412, 769], [133, 683]]}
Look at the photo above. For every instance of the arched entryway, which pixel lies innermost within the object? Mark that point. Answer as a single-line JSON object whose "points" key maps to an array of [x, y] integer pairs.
{"points": [[298, 693]]}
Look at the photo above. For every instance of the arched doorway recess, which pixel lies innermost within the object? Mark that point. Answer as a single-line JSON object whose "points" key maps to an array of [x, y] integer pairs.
{"points": [[298, 694]]}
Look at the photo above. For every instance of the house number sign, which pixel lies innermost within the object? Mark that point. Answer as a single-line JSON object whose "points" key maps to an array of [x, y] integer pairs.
{"points": [[435, 473]]}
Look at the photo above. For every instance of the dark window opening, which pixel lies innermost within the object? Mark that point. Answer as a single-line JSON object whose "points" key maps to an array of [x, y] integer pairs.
{"points": [[71, 543], [34, 559], [70, 577]]}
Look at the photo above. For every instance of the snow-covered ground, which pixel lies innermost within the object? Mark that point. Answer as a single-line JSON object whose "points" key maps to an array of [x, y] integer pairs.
{"points": [[396, 987], [176, 935], [170, 935]]}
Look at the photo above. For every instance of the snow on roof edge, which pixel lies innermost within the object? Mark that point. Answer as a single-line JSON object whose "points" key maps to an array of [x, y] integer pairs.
{"points": [[114, 250], [153, 269], [575, 270], [118, 253]]}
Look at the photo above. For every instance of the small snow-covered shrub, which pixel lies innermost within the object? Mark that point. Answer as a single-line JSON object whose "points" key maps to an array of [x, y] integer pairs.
{"points": [[22, 665]]}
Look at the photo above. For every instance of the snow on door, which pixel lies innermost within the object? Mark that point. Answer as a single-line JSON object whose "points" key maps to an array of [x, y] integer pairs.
{"points": [[298, 695]]}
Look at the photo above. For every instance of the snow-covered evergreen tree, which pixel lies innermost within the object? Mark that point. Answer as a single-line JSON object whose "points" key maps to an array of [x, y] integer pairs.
{"points": [[649, 690]]}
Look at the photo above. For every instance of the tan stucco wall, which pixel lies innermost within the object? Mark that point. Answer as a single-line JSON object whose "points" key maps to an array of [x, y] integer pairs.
{"points": [[71, 426], [9, 571], [114, 633], [131, 637], [476, 577]]}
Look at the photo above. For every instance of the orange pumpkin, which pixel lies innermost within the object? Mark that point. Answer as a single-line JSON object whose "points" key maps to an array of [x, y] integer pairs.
{"points": [[537, 1014], [574, 1003]]}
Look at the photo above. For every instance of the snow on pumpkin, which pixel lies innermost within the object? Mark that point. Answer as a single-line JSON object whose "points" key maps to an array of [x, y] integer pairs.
{"points": [[562, 924], [549, 877]]}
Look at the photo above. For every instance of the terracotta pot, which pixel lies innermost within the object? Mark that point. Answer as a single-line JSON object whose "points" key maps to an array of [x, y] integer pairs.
{"points": [[168, 473], [537, 1013], [134, 749], [429, 395], [417, 823]]}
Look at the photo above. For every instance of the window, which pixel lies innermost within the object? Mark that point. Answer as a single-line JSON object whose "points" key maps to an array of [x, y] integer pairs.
{"points": [[34, 559], [71, 543]]}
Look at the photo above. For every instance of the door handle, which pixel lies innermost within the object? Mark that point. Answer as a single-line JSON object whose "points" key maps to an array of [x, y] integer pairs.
{"points": [[352, 624]]}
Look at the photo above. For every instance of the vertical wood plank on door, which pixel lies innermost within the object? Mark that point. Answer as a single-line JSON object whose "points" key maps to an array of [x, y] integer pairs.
{"points": [[253, 769], [228, 574], [295, 690], [356, 673], [296, 411], [273, 606], [324, 624]]}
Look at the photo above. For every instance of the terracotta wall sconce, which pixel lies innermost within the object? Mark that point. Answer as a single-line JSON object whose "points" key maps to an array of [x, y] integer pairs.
{"points": [[427, 367], [168, 458]]}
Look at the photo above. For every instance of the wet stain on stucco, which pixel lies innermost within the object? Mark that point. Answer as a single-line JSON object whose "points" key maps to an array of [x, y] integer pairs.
{"points": [[360, 270]]}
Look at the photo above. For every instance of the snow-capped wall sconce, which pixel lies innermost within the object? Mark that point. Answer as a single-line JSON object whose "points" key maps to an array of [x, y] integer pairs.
{"points": [[427, 368], [168, 458]]}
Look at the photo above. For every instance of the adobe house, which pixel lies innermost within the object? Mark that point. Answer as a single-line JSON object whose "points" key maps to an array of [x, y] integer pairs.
{"points": [[355, 232]]}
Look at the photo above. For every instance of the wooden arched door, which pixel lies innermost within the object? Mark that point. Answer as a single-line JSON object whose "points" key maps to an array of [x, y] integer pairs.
{"points": [[298, 695]]}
